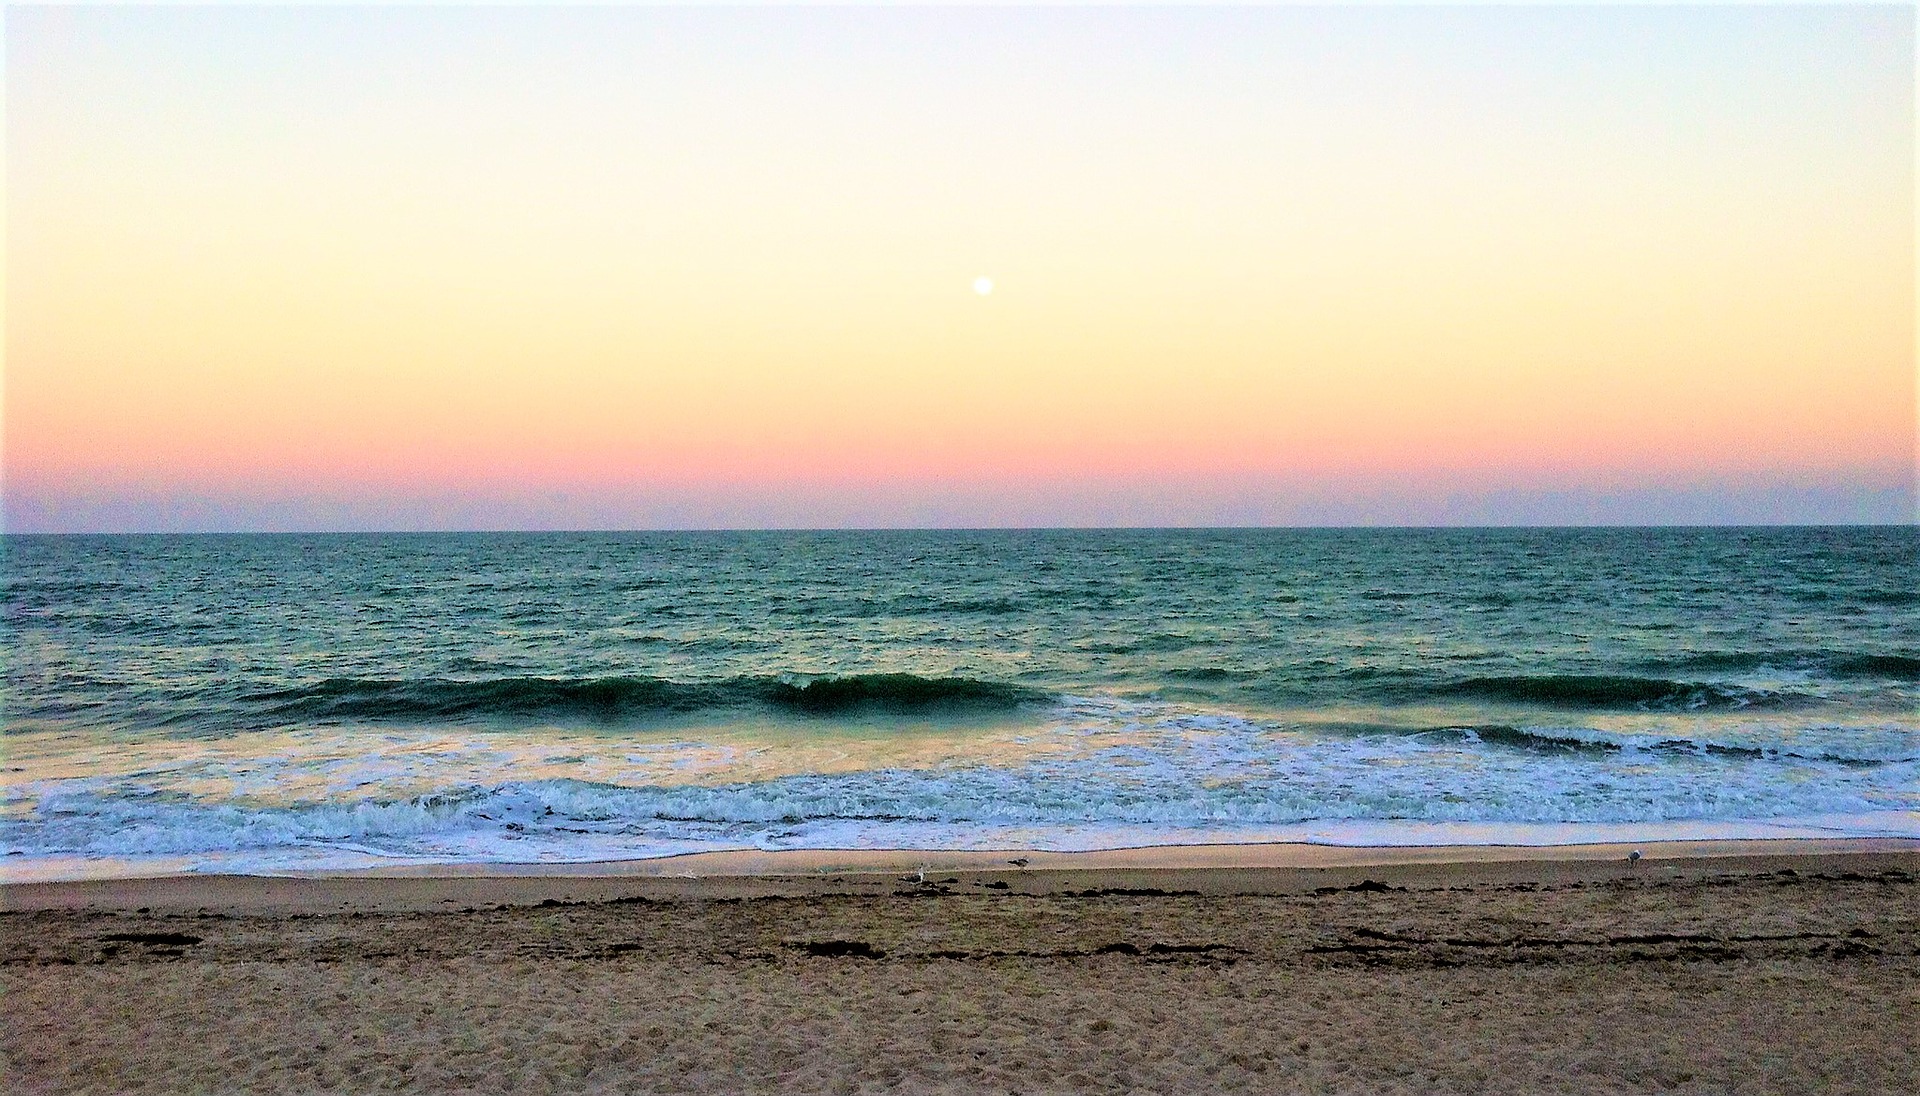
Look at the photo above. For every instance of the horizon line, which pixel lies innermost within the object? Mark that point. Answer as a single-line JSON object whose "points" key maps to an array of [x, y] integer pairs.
{"points": [[1913, 523]]}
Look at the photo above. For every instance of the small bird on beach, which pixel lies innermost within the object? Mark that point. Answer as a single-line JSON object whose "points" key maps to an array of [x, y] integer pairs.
{"points": [[1634, 855], [1019, 861]]}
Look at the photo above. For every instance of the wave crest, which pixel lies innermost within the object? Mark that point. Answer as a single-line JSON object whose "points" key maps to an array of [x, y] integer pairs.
{"points": [[1892, 667], [1606, 691], [1882, 749], [622, 698]]}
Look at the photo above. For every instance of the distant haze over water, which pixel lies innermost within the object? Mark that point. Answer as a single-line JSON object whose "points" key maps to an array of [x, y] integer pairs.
{"points": [[273, 701]]}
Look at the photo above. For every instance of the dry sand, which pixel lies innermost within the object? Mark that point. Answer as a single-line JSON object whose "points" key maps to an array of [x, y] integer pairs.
{"points": [[1782, 967]]}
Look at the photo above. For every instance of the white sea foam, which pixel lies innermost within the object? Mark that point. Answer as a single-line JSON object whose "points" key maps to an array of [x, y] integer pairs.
{"points": [[1104, 773]]}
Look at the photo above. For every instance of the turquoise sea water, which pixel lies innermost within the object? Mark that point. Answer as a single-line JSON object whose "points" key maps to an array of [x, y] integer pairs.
{"points": [[262, 703]]}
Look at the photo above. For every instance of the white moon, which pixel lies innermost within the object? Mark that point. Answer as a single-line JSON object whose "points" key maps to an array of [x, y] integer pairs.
{"points": [[983, 285]]}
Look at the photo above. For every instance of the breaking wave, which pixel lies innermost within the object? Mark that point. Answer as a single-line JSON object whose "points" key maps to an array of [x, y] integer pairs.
{"points": [[1605, 691], [620, 698], [1890, 746]]}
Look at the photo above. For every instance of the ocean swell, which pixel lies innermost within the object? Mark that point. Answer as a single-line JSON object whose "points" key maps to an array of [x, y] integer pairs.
{"points": [[1862, 748], [1886, 667], [610, 699], [1606, 691]]}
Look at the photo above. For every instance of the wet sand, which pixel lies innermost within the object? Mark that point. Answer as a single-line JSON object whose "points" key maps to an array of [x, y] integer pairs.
{"points": [[1705, 968]]}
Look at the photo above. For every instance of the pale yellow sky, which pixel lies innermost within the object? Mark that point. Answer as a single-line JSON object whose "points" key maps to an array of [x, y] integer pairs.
{"points": [[384, 253]]}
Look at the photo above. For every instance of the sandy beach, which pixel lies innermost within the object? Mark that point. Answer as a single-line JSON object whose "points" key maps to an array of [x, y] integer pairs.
{"points": [[1700, 968]]}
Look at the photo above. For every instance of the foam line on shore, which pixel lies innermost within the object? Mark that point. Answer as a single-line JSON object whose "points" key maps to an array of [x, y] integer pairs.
{"points": [[1262, 855], [1215, 869]]}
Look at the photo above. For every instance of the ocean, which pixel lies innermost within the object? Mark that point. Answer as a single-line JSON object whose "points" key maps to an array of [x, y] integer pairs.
{"points": [[265, 703]]}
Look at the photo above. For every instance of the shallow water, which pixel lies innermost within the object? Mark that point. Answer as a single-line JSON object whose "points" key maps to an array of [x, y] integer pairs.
{"points": [[270, 702]]}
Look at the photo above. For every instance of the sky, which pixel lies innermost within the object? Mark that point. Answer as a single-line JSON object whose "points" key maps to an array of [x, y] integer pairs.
{"points": [[620, 267]]}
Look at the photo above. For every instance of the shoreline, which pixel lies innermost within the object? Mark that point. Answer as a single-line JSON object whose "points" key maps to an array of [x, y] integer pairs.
{"points": [[1208, 869]]}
